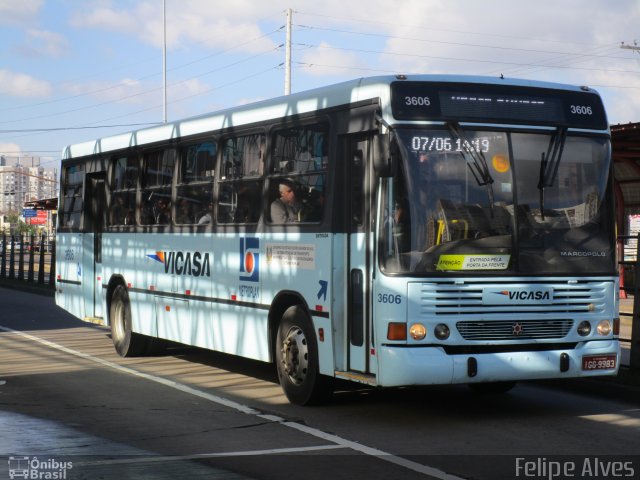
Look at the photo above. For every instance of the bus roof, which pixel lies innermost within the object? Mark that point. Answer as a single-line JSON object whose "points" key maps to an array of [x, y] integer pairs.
{"points": [[285, 106]]}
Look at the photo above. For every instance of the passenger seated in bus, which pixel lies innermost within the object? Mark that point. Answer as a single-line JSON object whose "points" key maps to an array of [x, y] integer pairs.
{"points": [[163, 212], [287, 208], [118, 211], [183, 213], [207, 217], [121, 214], [313, 206]]}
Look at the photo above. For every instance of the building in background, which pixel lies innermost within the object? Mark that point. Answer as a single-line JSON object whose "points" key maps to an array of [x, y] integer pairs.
{"points": [[22, 181]]}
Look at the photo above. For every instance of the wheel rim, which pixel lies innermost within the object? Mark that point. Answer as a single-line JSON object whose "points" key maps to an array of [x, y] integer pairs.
{"points": [[295, 355], [118, 321]]}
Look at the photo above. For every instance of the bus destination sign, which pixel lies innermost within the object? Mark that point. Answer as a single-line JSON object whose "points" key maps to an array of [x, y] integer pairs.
{"points": [[495, 103]]}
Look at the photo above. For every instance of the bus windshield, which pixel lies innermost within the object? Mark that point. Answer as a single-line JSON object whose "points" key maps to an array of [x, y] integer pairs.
{"points": [[474, 201]]}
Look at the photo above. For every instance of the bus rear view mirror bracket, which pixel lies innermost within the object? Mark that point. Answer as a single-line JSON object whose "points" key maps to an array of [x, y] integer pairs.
{"points": [[385, 154]]}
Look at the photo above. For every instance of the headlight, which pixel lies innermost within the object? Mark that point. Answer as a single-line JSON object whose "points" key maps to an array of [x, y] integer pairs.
{"points": [[441, 331], [584, 328]]}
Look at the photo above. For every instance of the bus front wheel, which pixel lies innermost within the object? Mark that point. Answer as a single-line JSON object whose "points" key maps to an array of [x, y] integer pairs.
{"points": [[126, 342], [297, 360]]}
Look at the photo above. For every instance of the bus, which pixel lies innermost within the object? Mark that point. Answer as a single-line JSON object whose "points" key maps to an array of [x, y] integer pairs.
{"points": [[391, 230]]}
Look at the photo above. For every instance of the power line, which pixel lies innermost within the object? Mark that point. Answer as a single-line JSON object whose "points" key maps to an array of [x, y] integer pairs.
{"points": [[129, 114], [459, 44], [432, 28], [474, 60], [56, 129], [139, 94], [145, 77], [550, 62]]}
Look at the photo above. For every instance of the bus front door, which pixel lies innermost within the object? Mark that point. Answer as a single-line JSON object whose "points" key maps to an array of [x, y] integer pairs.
{"points": [[359, 263], [95, 207]]}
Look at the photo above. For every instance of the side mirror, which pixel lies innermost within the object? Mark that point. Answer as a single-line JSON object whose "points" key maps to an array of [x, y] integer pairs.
{"points": [[385, 155]]}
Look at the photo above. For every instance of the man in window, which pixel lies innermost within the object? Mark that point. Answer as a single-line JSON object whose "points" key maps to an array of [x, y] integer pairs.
{"points": [[163, 212], [287, 208]]}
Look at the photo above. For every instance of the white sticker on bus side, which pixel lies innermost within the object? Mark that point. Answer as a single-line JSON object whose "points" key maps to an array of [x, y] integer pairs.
{"points": [[299, 255]]}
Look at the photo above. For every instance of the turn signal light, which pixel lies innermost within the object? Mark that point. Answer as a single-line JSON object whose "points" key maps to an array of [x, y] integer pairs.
{"points": [[604, 328], [418, 331], [616, 326], [397, 331]]}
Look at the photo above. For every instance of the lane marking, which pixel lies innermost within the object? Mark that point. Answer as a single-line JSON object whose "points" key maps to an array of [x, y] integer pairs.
{"points": [[339, 441], [200, 456]]}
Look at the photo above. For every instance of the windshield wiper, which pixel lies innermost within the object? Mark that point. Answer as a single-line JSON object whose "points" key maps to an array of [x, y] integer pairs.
{"points": [[478, 166], [550, 162]]}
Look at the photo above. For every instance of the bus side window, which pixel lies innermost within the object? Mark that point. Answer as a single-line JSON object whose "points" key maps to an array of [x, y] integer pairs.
{"points": [[156, 188], [240, 191], [299, 157], [194, 192], [72, 203], [124, 180]]}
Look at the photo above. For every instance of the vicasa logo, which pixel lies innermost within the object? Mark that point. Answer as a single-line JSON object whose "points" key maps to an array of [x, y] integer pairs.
{"points": [[194, 264], [525, 294]]}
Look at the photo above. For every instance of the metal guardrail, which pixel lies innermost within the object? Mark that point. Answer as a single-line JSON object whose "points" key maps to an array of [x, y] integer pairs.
{"points": [[30, 259]]}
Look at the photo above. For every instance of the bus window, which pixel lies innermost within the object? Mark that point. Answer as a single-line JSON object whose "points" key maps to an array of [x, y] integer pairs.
{"points": [[156, 194], [300, 160], [123, 191], [195, 183], [72, 203], [240, 191]]}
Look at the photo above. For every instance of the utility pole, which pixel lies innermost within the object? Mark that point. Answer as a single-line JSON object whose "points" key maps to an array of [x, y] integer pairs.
{"points": [[633, 47], [164, 61], [287, 60]]}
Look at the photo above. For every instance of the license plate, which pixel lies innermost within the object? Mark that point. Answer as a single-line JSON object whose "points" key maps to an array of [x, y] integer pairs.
{"points": [[599, 362]]}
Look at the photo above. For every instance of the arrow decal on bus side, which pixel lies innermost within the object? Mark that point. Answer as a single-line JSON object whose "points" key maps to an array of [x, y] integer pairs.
{"points": [[323, 289]]}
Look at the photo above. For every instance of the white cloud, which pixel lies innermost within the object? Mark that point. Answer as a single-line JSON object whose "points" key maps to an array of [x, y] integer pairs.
{"points": [[23, 85], [10, 149], [12, 11], [188, 22], [126, 90], [43, 43], [327, 60]]}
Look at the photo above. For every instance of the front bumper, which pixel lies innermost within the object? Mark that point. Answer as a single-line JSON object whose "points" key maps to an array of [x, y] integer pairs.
{"points": [[430, 365]]}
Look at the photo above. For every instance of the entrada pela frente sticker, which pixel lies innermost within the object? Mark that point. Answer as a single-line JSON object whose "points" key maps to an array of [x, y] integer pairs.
{"points": [[473, 262]]}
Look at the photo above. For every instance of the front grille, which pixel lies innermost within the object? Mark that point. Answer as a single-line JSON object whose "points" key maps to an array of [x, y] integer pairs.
{"points": [[514, 330], [460, 299]]}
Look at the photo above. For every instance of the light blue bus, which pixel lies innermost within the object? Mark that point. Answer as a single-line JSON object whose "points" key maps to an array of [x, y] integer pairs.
{"points": [[394, 230]]}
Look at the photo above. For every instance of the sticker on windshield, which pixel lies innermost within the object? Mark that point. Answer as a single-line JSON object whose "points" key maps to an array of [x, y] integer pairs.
{"points": [[473, 262]]}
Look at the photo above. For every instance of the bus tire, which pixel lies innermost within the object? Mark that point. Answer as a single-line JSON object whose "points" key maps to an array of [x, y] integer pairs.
{"points": [[126, 342], [297, 360], [492, 387]]}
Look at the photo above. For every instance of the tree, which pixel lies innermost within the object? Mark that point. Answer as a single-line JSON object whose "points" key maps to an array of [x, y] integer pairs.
{"points": [[18, 227]]}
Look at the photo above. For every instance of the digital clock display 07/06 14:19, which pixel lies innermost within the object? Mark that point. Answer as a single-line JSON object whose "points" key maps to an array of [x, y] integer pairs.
{"points": [[445, 144]]}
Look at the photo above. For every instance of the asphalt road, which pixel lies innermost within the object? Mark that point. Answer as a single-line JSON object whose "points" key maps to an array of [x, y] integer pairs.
{"points": [[69, 402]]}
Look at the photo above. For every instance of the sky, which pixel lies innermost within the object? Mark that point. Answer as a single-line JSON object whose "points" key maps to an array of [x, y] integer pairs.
{"points": [[75, 70]]}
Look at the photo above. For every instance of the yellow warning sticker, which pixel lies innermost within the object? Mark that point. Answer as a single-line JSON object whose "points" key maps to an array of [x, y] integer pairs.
{"points": [[473, 262]]}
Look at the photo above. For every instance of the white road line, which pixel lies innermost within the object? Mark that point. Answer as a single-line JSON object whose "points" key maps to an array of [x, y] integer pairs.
{"points": [[200, 456], [339, 441]]}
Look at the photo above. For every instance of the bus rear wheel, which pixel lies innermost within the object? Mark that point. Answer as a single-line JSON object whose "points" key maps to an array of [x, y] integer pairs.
{"points": [[297, 360], [126, 342]]}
